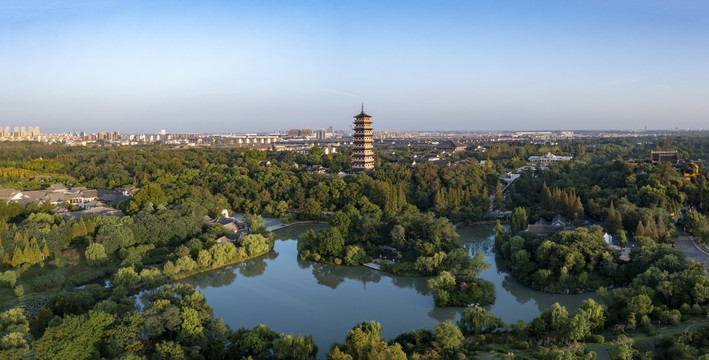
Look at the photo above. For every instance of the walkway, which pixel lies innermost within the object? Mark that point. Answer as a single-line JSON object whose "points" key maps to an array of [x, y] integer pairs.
{"points": [[690, 326], [688, 247], [273, 224]]}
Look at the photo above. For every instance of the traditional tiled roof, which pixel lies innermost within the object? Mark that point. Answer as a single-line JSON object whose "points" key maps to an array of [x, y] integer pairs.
{"points": [[450, 144]]}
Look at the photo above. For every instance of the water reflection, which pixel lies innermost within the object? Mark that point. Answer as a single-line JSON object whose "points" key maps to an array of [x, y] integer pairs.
{"points": [[216, 278], [514, 301], [410, 282], [333, 276], [520, 292], [257, 266], [292, 295]]}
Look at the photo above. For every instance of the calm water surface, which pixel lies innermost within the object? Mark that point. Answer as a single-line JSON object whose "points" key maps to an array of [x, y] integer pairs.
{"points": [[303, 297]]}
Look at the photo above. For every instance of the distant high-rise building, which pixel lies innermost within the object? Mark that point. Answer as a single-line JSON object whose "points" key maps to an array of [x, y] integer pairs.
{"points": [[109, 135], [162, 132], [35, 131], [320, 134], [100, 136], [330, 130], [363, 144], [117, 133]]}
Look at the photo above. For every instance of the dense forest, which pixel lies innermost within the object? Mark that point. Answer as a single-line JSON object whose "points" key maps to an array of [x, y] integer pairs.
{"points": [[609, 186]]}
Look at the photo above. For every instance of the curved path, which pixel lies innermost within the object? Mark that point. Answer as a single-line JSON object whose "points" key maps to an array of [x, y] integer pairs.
{"points": [[690, 326], [688, 247]]}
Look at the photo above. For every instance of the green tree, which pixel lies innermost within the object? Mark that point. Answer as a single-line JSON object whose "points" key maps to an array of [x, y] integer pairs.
{"points": [[447, 337], [364, 342], [41, 322], [14, 320], [547, 201], [501, 236], [222, 253], [293, 347], [498, 202], [191, 326], [255, 224], [169, 350], [614, 221], [622, 238], [640, 230], [518, 221], [13, 345], [624, 350], [442, 287], [254, 244], [9, 278], [476, 320], [74, 338], [150, 193], [204, 259], [355, 255], [185, 263], [640, 305], [95, 254], [126, 277]]}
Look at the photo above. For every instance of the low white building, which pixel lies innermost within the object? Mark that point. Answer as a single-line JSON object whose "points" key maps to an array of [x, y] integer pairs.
{"points": [[548, 159]]}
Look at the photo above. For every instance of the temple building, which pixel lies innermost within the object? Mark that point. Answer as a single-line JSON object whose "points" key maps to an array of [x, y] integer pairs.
{"points": [[363, 144], [658, 157]]}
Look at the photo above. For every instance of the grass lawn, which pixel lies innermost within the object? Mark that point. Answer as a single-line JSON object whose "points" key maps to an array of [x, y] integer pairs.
{"points": [[643, 341], [72, 271]]}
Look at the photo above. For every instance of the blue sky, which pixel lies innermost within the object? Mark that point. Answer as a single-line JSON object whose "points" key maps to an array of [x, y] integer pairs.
{"points": [[237, 66]]}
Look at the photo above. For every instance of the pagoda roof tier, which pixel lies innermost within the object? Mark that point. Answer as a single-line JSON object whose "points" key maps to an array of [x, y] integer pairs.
{"points": [[362, 115]]}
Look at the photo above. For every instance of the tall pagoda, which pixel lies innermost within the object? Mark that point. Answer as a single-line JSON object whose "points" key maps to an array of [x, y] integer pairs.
{"points": [[363, 144]]}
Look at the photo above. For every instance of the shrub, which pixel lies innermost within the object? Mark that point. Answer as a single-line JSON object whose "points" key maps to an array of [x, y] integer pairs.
{"points": [[51, 281], [19, 291], [597, 339], [86, 277], [8, 278]]}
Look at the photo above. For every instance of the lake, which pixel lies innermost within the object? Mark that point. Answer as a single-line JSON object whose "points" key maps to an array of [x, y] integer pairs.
{"points": [[291, 295]]}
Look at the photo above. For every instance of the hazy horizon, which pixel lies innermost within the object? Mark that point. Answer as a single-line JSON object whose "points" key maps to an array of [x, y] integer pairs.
{"points": [[258, 66]]}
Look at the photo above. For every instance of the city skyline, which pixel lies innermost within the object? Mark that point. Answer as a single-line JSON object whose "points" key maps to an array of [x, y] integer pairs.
{"points": [[261, 66]]}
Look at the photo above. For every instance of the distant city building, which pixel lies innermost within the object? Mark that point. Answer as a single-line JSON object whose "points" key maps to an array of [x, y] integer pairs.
{"points": [[320, 134], [363, 144], [19, 132], [163, 132], [658, 157]]}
